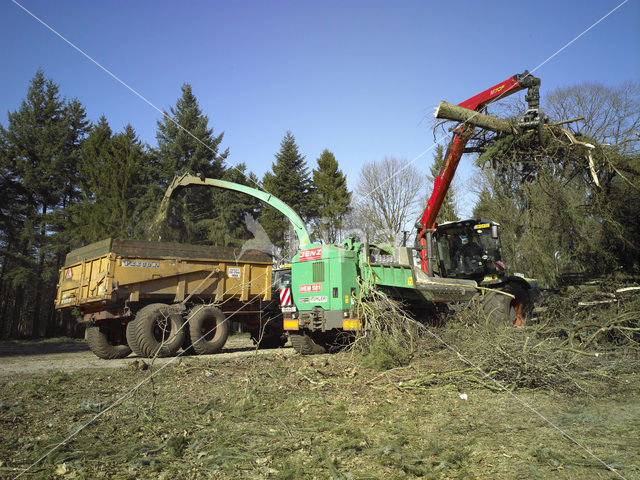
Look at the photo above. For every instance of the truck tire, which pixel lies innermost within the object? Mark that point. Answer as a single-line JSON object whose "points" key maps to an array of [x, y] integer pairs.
{"points": [[131, 338], [159, 331], [501, 309], [208, 329], [106, 343], [496, 308], [304, 345]]}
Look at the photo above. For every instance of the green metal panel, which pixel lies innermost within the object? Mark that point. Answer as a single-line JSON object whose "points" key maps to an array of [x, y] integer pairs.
{"points": [[388, 274], [345, 279], [393, 275], [318, 272], [326, 282]]}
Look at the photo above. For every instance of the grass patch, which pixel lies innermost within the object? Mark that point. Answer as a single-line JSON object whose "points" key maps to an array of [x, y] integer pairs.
{"points": [[361, 414], [279, 417]]}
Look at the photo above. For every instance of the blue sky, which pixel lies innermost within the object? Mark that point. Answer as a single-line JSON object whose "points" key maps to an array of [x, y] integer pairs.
{"points": [[360, 78]]}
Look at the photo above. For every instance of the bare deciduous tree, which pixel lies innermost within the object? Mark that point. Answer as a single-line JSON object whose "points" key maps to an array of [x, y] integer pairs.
{"points": [[388, 199], [611, 114]]}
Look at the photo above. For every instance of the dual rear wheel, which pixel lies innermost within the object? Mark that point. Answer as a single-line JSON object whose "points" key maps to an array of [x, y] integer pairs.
{"points": [[158, 330], [108, 341], [208, 330]]}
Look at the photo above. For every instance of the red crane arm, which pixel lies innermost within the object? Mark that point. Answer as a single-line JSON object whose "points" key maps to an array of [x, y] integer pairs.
{"points": [[461, 136]]}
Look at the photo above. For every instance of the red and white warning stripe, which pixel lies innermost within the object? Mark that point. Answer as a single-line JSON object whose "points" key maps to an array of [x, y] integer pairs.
{"points": [[500, 266], [285, 296]]}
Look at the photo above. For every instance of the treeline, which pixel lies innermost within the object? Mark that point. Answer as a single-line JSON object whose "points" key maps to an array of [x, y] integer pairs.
{"points": [[66, 182]]}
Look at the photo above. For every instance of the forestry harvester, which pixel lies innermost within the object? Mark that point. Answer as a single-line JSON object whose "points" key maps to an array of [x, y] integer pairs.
{"points": [[457, 260]]}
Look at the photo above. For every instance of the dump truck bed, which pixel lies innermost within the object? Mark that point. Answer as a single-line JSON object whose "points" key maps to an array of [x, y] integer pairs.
{"points": [[106, 278]]}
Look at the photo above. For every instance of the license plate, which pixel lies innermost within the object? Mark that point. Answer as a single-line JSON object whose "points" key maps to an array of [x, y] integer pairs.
{"points": [[288, 309], [351, 324], [290, 324]]}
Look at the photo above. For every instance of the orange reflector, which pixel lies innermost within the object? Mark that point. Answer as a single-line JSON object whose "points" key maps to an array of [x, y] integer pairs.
{"points": [[351, 324], [290, 324]]}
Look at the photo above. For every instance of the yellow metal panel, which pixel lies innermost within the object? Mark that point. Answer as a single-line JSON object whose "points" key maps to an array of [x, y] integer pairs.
{"points": [[111, 277], [182, 283], [246, 275], [266, 283]]}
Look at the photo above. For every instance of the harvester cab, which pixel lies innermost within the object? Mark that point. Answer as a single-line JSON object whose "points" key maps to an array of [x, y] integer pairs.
{"points": [[470, 249]]}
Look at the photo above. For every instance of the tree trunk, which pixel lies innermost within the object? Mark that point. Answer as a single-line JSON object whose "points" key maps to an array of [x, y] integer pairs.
{"points": [[16, 315], [4, 300], [449, 111], [39, 323]]}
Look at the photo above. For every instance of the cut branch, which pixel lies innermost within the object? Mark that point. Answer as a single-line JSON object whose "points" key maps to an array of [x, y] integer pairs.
{"points": [[449, 111], [570, 120]]}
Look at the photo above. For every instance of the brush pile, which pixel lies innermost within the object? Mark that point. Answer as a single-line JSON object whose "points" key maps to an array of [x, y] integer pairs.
{"points": [[573, 346]]}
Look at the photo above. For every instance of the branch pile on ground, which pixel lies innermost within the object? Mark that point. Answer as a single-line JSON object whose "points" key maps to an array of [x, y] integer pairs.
{"points": [[391, 337], [571, 350], [596, 318]]}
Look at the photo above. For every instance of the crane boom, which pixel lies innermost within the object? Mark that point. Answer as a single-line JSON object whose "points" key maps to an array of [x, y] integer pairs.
{"points": [[461, 135], [179, 182]]}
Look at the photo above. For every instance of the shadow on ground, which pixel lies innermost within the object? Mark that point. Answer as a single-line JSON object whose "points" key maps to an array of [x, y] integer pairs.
{"points": [[11, 348]]}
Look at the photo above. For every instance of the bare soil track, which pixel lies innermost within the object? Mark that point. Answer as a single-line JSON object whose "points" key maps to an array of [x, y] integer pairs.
{"points": [[68, 355]]}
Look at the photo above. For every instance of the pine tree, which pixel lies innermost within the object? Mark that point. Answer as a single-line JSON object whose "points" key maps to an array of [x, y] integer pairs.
{"points": [[331, 199], [289, 181], [185, 141], [40, 152], [115, 171], [187, 144], [227, 225], [448, 210]]}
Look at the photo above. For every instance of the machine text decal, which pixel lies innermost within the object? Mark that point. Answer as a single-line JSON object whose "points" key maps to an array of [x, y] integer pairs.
{"points": [[314, 287], [319, 299], [139, 264], [311, 254]]}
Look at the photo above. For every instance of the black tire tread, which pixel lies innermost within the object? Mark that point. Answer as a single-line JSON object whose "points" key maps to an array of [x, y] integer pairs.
{"points": [[201, 345], [304, 345], [496, 308], [100, 346], [146, 342], [270, 339], [131, 338]]}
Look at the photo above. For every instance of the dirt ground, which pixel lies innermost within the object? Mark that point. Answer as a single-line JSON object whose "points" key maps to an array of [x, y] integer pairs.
{"points": [[273, 414], [69, 355]]}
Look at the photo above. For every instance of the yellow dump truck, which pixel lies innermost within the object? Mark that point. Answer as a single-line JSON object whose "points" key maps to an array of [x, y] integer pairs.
{"points": [[154, 298]]}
